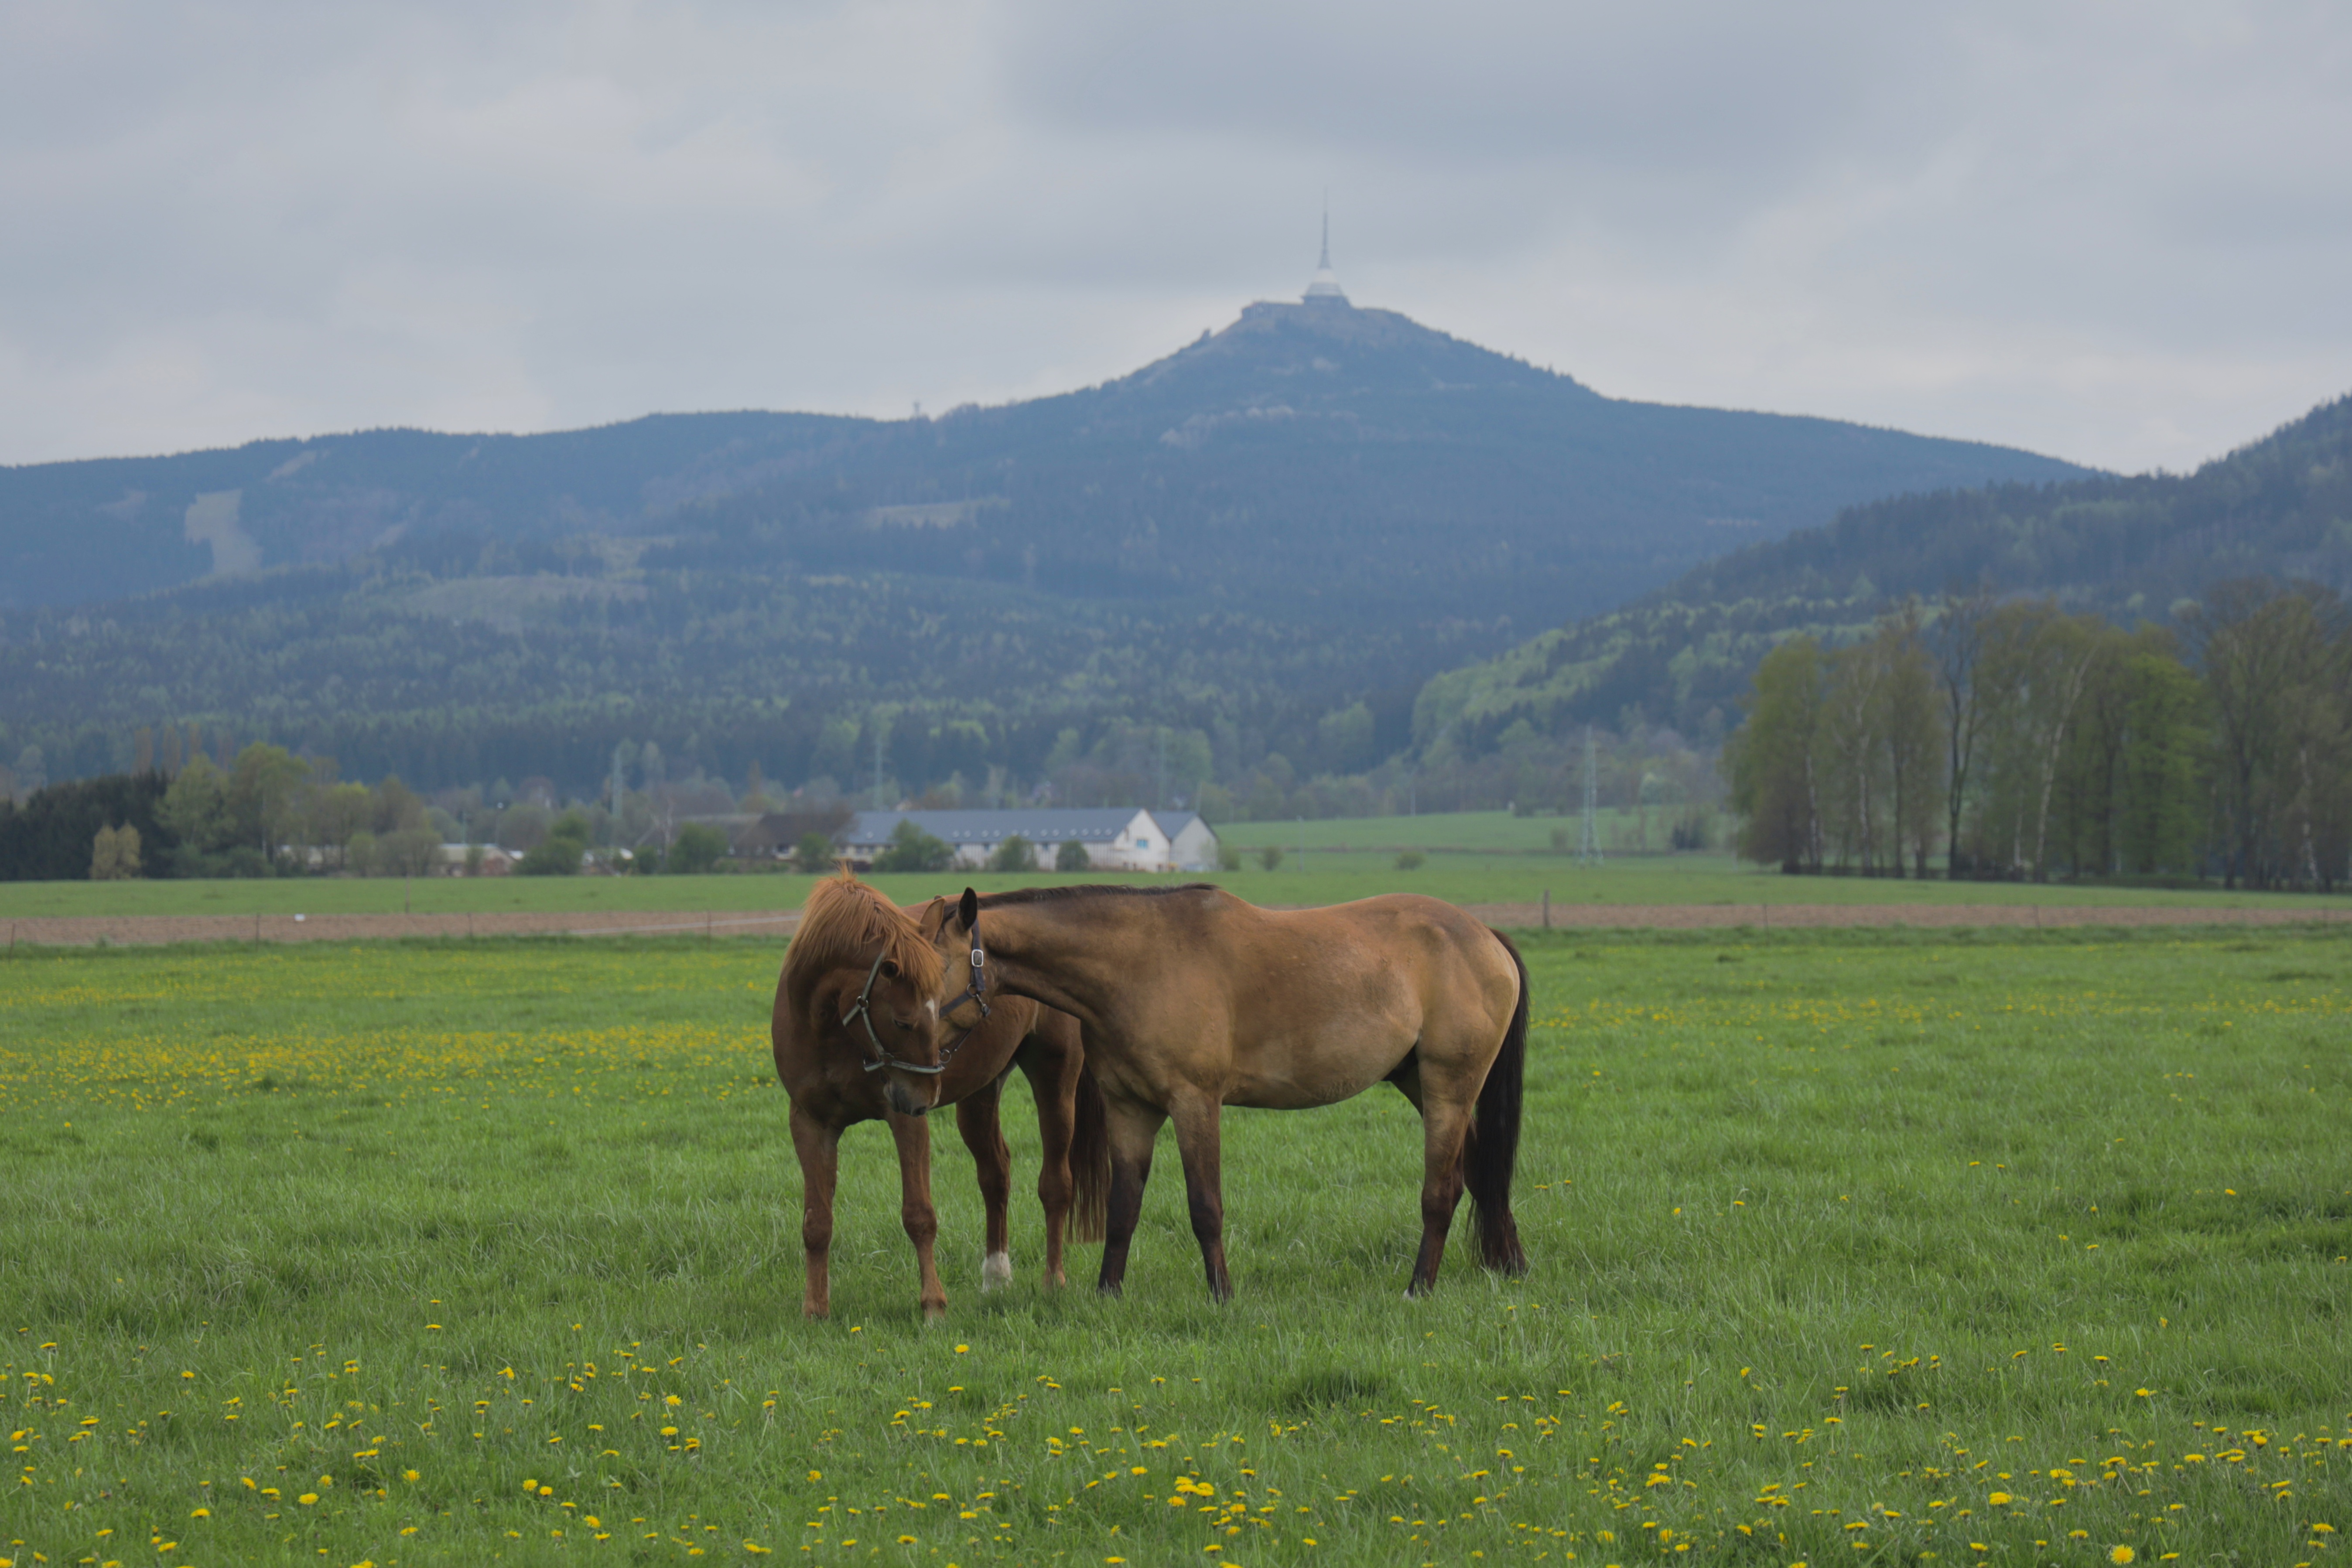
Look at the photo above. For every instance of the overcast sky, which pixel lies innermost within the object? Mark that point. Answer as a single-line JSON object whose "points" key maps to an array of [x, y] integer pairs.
{"points": [[2120, 233]]}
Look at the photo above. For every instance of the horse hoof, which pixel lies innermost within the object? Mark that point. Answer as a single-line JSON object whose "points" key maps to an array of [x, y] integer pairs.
{"points": [[996, 1271], [934, 1311]]}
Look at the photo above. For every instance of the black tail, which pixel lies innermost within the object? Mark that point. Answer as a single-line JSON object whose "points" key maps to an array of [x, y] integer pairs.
{"points": [[1493, 1148], [1089, 1159]]}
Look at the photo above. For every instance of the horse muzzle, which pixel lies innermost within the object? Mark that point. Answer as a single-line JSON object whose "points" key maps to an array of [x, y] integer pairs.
{"points": [[904, 1100]]}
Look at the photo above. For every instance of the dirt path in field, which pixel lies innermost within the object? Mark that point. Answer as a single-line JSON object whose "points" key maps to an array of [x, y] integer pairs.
{"points": [[82, 931], [151, 930], [1780, 917]]}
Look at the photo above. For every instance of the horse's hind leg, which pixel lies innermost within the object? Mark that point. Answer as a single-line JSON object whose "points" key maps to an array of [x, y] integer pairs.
{"points": [[819, 1148], [1445, 1123], [1198, 1140], [913, 1136], [1132, 1127], [1053, 1084], [977, 1118]]}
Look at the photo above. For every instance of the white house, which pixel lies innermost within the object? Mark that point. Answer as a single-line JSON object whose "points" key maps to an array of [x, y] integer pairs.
{"points": [[1122, 838]]}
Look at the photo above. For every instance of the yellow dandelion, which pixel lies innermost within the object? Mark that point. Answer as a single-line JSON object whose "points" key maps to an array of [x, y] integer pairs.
{"points": [[307, 1498], [2123, 1554], [1998, 1499]]}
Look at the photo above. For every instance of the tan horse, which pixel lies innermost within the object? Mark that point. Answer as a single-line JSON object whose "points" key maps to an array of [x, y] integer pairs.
{"points": [[852, 943], [1193, 1000]]}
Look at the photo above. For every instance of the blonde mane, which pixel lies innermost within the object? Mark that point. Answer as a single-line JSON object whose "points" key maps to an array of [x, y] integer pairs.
{"points": [[845, 922]]}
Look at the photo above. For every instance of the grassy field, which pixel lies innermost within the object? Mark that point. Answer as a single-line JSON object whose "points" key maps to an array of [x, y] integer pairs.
{"points": [[1453, 831], [1471, 857], [1877, 1246]]}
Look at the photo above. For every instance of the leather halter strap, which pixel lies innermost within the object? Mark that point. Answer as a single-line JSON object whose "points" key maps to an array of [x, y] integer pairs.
{"points": [[862, 1010]]}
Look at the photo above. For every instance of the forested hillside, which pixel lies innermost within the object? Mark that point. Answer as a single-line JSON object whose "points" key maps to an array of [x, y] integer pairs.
{"points": [[2127, 549], [1268, 541]]}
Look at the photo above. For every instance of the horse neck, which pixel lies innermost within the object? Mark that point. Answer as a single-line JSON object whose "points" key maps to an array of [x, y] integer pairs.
{"points": [[1066, 955]]}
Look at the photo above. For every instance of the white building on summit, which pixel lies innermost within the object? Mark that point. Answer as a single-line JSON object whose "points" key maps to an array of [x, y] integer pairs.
{"points": [[1325, 289]]}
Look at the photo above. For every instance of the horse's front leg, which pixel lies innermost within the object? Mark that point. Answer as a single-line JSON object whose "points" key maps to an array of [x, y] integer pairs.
{"points": [[1199, 1143], [977, 1118], [1131, 1128], [819, 1148], [913, 1136]]}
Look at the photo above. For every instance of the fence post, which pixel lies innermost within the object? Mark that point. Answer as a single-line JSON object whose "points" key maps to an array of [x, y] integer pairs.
{"points": [[1547, 902]]}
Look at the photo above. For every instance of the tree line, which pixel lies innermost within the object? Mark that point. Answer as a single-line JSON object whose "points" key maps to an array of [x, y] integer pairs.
{"points": [[2017, 740], [272, 813]]}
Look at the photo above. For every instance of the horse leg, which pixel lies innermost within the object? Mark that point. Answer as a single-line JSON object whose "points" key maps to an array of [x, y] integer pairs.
{"points": [[983, 1134], [1053, 1084], [1132, 1127], [1198, 1141], [1445, 1123], [913, 1136], [819, 1148]]}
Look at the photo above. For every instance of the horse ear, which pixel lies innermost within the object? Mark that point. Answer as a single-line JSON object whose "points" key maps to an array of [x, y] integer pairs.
{"points": [[968, 910]]}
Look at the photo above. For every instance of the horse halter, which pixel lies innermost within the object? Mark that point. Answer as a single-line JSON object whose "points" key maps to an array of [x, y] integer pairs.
{"points": [[862, 1011]]}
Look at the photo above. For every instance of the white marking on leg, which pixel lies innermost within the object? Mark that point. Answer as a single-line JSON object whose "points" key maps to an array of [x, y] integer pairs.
{"points": [[996, 1271]]}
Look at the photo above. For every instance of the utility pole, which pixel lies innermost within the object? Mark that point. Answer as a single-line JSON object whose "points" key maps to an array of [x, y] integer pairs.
{"points": [[878, 766], [619, 785], [1588, 851]]}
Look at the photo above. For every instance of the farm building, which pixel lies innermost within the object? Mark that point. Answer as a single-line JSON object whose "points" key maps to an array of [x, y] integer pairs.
{"points": [[1122, 838]]}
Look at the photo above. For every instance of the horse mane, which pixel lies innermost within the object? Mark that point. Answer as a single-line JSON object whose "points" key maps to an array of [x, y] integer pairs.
{"points": [[1073, 891], [845, 921]]}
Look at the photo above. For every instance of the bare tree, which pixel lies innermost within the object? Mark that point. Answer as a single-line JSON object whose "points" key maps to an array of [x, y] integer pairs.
{"points": [[1959, 646], [2275, 664]]}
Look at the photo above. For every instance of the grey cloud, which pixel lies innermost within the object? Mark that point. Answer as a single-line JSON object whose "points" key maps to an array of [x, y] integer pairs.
{"points": [[2112, 232]]}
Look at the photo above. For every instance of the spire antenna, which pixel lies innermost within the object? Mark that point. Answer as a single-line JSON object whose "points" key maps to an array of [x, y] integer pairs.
{"points": [[1325, 289]]}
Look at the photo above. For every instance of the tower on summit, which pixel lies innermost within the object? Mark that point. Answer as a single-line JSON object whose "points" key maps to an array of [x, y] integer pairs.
{"points": [[1325, 289]]}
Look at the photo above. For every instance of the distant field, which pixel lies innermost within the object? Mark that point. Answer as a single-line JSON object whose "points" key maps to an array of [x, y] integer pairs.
{"points": [[1873, 1247], [1471, 857], [1451, 831]]}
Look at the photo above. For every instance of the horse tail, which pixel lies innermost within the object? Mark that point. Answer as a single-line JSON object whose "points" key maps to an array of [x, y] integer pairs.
{"points": [[1089, 1159], [1493, 1148]]}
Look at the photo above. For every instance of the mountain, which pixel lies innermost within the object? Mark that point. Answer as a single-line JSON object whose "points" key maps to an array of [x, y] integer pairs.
{"points": [[1316, 453], [1319, 505], [2130, 548]]}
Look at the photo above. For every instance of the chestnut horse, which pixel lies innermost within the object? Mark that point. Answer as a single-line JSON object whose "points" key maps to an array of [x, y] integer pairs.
{"points": [[1193, 1000], [853, 994]]}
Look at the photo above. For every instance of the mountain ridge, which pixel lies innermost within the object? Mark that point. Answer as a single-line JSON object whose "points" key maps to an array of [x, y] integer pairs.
{"points": [[1308, 512], [2129, 547]]}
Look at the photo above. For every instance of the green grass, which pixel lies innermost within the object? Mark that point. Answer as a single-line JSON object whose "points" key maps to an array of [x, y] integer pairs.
{"points": [[1876, 1224], [1451, 830], [1471, 857]]}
